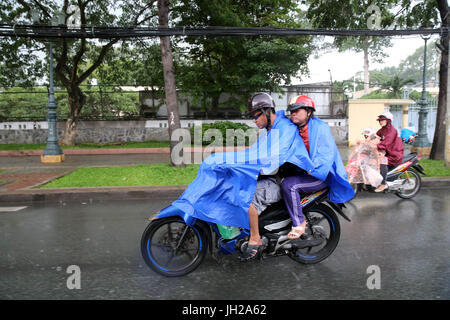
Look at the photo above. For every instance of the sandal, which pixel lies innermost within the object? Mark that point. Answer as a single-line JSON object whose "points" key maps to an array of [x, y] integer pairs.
{"points": [[253, 251], [296, 232], [381, 188]]}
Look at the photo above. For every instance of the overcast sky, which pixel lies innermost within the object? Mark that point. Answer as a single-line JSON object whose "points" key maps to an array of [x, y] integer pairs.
{"points": [[344, 65]]}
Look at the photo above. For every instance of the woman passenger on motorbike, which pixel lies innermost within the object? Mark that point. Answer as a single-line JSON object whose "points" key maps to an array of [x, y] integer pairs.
{"points": [[364, 160], [302, 110], [391, 144]]}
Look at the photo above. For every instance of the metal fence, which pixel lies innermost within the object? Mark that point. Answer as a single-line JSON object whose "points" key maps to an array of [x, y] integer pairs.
{"points": [[413, 116], [134, 103]]}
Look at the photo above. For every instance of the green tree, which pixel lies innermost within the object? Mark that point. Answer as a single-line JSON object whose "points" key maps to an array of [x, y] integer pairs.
{"points": [[137, 64], [412, 66], [395, 14], [29, 103], [391, 88], [75, 59], [169, 80], [395, 85], [428, 14], [211, 66], [355, 14]]}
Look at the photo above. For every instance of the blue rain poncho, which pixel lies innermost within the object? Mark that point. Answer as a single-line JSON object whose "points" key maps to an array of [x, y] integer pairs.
{"points": [[226, 182]]}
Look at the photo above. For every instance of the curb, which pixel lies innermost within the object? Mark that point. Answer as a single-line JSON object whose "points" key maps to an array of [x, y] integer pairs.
{"points": [[24, 153], [89, 194], [133, 193]]}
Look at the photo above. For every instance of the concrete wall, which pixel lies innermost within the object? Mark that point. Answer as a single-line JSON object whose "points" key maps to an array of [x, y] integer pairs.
{"points": [[363, 113], [319, 92], [123, 131]]}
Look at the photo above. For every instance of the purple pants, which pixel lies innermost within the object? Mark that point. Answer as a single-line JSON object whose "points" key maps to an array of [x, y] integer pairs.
{"points": [[291, 187]]}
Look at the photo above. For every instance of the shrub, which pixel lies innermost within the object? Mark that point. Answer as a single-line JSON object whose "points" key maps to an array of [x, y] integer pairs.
{"points": [[243, 134]]}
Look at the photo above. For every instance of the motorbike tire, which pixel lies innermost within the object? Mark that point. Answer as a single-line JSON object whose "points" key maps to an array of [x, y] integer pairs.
{"points": [[314, 216], [416, 189], [164, 247], [356, 188]]}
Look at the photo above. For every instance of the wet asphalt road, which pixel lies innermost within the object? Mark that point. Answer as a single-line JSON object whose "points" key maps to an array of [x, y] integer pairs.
{"points": [[408, 240]]}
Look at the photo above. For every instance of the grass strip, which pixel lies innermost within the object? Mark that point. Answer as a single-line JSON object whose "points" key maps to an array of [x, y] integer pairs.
{"points": [[166, 175], [435, 168], [141, 175]]}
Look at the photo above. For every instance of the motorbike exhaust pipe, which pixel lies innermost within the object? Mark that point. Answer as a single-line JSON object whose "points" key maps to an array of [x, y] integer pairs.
{"points": [[301, 244]]}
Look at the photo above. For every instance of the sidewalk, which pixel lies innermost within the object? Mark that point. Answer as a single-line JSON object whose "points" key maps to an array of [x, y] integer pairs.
{"points": [[25, 172]]}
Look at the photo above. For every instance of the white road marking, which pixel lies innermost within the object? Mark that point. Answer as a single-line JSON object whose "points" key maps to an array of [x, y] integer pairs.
{"points": [[11, 209]]}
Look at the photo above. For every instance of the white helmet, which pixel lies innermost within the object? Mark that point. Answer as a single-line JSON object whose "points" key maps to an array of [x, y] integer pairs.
{"points": [[368, 131], [386, 115]]}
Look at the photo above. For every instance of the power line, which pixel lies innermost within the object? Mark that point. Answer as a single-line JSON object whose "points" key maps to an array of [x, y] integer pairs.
{"points": [[102, 32]]}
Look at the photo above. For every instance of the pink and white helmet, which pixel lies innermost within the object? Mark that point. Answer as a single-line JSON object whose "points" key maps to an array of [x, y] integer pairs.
{"points": [[387, 115], [368, 132]]}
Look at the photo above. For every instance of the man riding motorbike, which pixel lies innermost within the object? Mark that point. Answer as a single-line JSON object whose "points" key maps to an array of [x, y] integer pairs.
{"points": [[261, 108], [296, 181], [226, 183]]}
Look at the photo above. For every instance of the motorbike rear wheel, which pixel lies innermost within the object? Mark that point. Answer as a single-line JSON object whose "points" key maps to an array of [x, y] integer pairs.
{"points": [[322, 222], [172, 248], [412, 180]]}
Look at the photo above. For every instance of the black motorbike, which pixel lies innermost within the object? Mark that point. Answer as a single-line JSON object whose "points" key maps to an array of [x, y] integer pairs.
{"points": [[404, 180], [173, 246]]}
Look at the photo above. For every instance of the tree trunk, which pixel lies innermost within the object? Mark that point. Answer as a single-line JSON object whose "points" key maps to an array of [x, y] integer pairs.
{"points": [[76, 102], [438, 146], [366, 70], [69, 132], [169, 81], [215, 105]]}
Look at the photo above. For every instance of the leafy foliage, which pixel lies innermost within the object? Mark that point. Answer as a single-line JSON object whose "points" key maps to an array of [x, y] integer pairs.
{"points": [[31, 103], [223, 129], [412, 66], [132, 64], [239, 65], [395, 85], [75, 60], [23, 103], [355, 14]]}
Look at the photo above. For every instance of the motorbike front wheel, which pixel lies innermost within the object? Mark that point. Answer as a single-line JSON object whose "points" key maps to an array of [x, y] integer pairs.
{"points": [[322, 223], [411, 183], [172, 248], [356, 187]]}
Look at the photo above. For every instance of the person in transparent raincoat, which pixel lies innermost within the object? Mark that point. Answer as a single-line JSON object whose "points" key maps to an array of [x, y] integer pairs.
{"points": [[365, 159]]}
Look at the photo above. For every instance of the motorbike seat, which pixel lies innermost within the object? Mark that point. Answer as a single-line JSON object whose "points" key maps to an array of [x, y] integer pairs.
{"points": [[410, 156], [276, 209], [308, 197], [279, 207]]}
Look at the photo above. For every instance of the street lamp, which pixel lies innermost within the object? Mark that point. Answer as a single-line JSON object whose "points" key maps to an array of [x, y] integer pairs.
{"points": [[331, 106], [52, 152], [422, 137]]}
